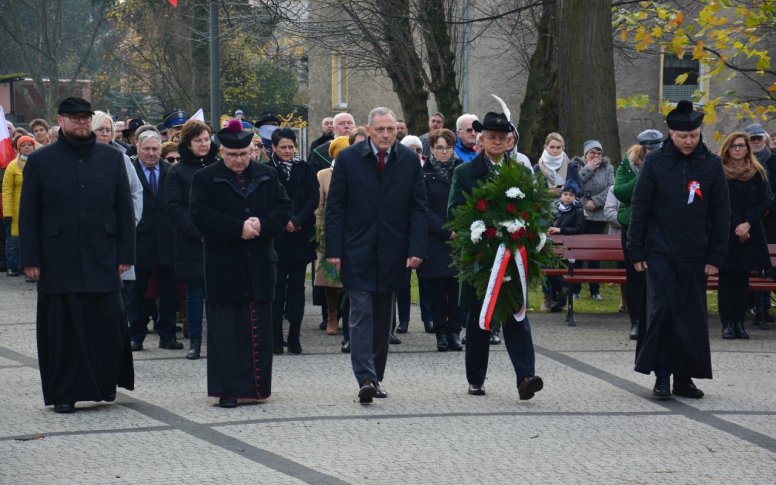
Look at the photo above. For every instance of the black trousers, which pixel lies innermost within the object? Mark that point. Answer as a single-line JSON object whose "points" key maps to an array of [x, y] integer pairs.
{"points": [[733, 295], [517, 339], [139, 311], [635, 281], [289, 293], [443, 297]]}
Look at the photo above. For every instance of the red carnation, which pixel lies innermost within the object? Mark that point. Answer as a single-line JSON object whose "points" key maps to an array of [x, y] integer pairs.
{"points": [[531, 236], [520, 232], [511, 208], [515, 236], [491, 232], [482, 205]]}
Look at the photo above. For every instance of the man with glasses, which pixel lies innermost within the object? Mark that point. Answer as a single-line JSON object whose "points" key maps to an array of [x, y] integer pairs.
{"points": [[77, 235], [240, 207], [466, 137]]}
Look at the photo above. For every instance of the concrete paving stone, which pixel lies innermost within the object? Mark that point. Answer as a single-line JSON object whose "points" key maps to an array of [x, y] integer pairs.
{"points": [[19, 338], [520, 449], [7, 362], [23, 413], [141, 457], [765, 424]]}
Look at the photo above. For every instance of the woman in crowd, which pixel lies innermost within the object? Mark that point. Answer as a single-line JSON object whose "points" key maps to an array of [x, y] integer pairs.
{"points": [[196, 151], [597, 175], [12, 193], [332, 289], [40, 131], [357, 135], [624, 183], [170, 153], [747, 247], [435, 272]]}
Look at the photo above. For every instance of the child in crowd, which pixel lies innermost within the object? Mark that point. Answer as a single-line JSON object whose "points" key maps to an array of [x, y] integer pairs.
{"points": [[569, 220]]}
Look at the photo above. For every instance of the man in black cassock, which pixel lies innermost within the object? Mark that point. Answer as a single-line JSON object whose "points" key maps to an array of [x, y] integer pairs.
{"points": [[77, 235], [240, 207], [680, 218]]}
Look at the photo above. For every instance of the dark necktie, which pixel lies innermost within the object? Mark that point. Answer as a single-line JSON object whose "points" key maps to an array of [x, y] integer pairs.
{"points": [[152, 181], [381, 161]]}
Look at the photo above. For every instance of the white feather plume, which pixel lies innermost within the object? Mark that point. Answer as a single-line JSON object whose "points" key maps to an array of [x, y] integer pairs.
{"points": [[504, 107]]}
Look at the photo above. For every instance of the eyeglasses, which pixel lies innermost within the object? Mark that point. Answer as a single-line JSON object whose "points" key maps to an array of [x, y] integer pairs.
{"points": [[173, 159], [235, 155], [468, 130], [418, 150], [738, 146], [102, 130], [443, 149], [79, 119]]}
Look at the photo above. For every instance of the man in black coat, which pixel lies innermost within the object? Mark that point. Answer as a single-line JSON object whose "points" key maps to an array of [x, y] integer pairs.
{"points": [[240, 207], [155, 250], [327, 135], [376, 231], [77, 237], [680, 217], [517, 335], [344, 125], [295, 246]]}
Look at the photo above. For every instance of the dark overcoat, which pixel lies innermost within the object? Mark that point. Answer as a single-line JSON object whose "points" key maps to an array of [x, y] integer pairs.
{"points": [[239, 270], [770, 216], [572, 221], [748, 203], [155, 231], [188, 239], [302, 189], [375, 221], [437, 265], [77, 220], [680, 218]]}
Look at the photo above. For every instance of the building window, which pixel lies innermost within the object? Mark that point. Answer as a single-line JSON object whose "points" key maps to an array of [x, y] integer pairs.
{"points": [[673, 67], [339, 82]]}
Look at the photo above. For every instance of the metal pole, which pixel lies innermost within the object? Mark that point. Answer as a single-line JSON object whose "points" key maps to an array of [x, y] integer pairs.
{"points": [[465, 59], [215, 61]]}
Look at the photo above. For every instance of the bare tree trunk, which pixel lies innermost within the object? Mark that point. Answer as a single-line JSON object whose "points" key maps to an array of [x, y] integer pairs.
{"points": [[587, 97], [539, 109]]}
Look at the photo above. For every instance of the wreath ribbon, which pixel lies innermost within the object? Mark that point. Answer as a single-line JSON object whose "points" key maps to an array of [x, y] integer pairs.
{"points": [[500, 263]]}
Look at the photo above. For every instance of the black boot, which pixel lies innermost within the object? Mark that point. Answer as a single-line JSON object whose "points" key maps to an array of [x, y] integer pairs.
{"points": [[194, 347], [662, 387], [442, 344], [495, 339], [454, 342], [429, 326], [294, 345], [762, 318], [738, 327], [277, 339], [727, 330], [634, 333]]}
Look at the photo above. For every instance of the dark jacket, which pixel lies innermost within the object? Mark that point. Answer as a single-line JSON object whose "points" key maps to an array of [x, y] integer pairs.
{"points": [[77, 222], [571, 222], [236, 269], [768, 160], [663, 224], [748, 203], [375, 221], [437, 265], [188, 239], [465, 178], [155, 231], [319, 157], [302, 189], [318, 142]]}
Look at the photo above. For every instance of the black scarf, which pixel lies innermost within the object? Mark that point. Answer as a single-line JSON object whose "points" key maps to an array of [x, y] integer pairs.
{"points": [[444, 169], [281, 166], [763, 156]]}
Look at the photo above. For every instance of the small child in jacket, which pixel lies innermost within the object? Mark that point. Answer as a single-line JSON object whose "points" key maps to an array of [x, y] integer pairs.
{"points": [[569, 220]]}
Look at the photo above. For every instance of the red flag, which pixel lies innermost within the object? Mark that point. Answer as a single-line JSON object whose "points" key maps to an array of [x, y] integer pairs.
{"points": [[6, 145], [174, 3]]}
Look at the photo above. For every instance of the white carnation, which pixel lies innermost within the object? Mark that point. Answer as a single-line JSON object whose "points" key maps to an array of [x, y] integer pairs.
{"points": [[507, 279], [477, 229], [542, 242], [515, 193], [513, 225]]}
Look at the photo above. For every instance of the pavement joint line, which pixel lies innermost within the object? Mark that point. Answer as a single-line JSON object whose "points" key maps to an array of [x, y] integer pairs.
{"points": [[135, 429], [205, 433], [9, 324], [677, 406]]}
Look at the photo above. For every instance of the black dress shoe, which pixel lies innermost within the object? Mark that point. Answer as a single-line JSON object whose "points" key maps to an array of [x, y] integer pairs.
{"points": [[227, 403], [442, 344], [476, 390], [494, 338], [194, 349], [380, 390], [367, 392], [64, 408], [727, 331], [738, 328], [454, 342], [345, 349], [394, 340], [322, 325], [136, 346], [529, 386], [429, 326], [683, 386], [402, 328], [634, 333], [662, 387], [171, 344], [278, 349]]}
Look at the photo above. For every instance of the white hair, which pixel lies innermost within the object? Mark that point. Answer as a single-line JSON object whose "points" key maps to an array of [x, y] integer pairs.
{"points": [[339, 116], [381, 111], [149, 135], [411, 140], [463, 119]]}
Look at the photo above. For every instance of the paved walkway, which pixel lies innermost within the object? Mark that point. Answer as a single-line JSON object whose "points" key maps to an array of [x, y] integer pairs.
{"points": [[595, 421]]}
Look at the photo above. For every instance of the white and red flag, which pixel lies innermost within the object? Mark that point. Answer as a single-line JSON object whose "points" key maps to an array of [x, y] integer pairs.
{"points": [[6, 144]]}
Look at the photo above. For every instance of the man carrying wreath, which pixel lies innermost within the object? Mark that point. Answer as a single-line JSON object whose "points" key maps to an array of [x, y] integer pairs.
{"points": [[495, 128]]}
